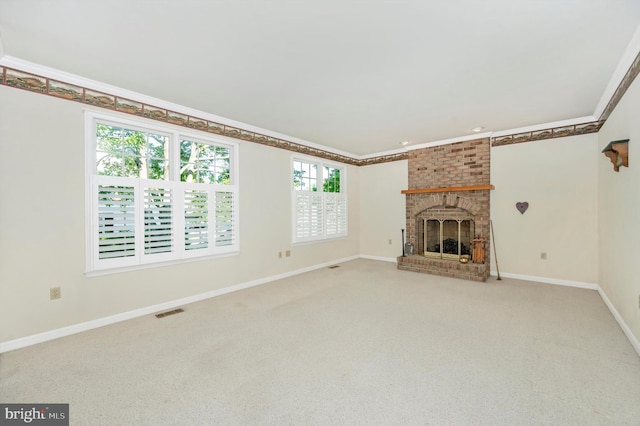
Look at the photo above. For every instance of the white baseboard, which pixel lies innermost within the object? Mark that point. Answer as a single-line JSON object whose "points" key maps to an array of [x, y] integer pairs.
{"points": [[89, 325], [623, 325], [589, 286], [100, 322], [579, 284], [380, 258]]}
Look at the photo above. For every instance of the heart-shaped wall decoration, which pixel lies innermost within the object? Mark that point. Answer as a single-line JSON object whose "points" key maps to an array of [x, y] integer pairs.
{"points": [[522, 207]]}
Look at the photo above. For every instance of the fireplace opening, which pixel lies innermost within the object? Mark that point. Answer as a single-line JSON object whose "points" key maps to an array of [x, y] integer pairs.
{"points": [[445, 238]]}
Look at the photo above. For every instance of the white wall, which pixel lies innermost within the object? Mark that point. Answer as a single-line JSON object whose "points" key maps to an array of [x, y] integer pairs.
{"points": [[382, 209], [619, 207], [558, 178], [42, 233], [42, 219]]}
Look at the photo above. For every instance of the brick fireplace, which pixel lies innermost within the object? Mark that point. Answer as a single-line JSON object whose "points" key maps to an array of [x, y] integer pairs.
{"points": [[447, 208]]}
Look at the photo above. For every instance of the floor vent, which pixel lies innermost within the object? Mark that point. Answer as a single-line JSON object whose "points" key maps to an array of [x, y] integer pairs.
{"points": [[166, 314], [334, 266]]}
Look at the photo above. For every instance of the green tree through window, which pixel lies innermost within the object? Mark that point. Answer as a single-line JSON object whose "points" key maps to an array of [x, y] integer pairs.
{"points": [[131, 153], [331, 181], [158, 195], [203, 163], [320, 206]]}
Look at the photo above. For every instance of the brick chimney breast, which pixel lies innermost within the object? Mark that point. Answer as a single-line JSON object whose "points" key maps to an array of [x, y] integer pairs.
{"points": [[461, 164]]}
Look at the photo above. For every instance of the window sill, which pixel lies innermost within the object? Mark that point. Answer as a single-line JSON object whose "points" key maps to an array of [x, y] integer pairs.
{"points": [[111, 271], [323, 240]]}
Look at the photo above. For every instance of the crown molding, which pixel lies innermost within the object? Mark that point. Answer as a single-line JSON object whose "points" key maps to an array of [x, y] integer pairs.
{"points": [[21, 74], [544, 126], [383, 159], [551, 130], [450, 141], [548, 133], [382, 153], [118, 92], [622, 77], [52, 73], [624, 85]]}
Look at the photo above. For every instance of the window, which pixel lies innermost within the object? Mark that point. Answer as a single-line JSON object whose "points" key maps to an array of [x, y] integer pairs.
{"points": [[157, 195], [319, 200]]}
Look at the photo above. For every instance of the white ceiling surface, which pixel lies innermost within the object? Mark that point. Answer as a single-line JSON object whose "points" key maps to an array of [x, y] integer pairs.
{"points": [[356, 76]]}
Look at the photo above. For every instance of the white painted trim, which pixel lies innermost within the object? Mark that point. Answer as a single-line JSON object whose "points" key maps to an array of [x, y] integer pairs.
{"points": [[544, 280], [553, 124], [22, 65], [380, 258], [627, 59], [543, 126], [101, 322], [382, 153], [623, 325], [93, 266], [142, 266], [450, 141], [344, 188], [89, 325]]}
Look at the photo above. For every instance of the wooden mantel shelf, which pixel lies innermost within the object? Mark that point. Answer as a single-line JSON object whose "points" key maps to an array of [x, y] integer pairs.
{"points": [[450, 189]]}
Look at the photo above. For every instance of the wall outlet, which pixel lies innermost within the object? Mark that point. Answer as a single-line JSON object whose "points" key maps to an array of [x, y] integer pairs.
{"points": [[55, 293], [543, 255], [389, 242], [287, 253]]}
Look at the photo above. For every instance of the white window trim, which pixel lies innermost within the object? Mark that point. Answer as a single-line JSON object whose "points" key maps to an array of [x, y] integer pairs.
{"points": [[342, 194], [176, 133]]}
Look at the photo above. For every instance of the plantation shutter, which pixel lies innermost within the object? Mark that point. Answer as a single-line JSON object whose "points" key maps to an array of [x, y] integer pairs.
{"points": [[159, 219], [116, 221], [114, 232], [152, 198], [309, 215], [319, 200], [225, 217], [336, 215], [210, 219], [196, 219]]}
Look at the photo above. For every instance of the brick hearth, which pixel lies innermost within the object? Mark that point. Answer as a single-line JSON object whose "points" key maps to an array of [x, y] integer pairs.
{"points": [[444, 267], [463, 164]]}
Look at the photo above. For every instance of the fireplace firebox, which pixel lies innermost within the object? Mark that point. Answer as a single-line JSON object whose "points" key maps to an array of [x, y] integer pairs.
{"points": [[447, 205], [444, 238]]}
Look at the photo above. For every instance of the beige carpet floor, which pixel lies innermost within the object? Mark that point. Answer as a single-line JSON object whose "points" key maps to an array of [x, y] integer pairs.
{"points": [[362, 344]]}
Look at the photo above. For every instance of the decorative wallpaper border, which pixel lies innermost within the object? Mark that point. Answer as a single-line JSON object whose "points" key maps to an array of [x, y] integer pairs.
{"points": [[628, 78], [555, 132], [578, 129], [383, 159], [47, 86]]}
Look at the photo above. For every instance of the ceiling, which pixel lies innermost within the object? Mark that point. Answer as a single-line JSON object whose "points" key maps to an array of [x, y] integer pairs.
{"points": [[356, 76]]}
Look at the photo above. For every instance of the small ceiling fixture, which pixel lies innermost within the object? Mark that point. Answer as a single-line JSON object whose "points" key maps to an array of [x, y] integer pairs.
{"points": [[477, 129], [404, 143]]}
